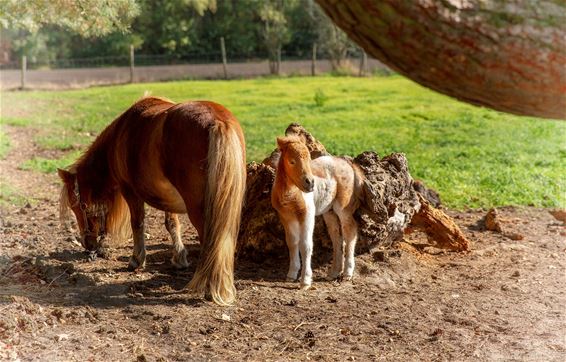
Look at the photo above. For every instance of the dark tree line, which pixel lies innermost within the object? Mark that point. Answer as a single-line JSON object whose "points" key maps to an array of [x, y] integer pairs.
{"points": [[179, 28]]}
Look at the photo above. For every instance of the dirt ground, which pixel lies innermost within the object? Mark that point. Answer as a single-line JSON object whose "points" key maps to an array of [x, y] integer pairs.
{"points": [[504, 300], [86, 77]]}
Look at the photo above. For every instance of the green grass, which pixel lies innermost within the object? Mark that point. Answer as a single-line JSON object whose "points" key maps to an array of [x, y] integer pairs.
{"points": [[4, 144], [473, 156], [50, 165], [11, 196]]}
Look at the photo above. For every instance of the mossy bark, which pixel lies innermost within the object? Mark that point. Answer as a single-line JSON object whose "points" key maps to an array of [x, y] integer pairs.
{"points": [[506, 55]]}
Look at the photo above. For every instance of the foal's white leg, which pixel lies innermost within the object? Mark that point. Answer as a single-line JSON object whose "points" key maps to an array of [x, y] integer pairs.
{"points": [[292, 234], [350, 233], [306, 243], [179, 258], [333, 227]]}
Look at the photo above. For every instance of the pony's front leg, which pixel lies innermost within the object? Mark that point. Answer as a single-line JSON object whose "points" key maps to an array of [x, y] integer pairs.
{"points": [[292, 234], [306, 246], [179, 258], [137, 216]]}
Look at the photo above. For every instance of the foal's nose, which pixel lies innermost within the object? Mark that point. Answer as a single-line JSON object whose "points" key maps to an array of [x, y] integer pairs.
{"points": [[309, 183]]}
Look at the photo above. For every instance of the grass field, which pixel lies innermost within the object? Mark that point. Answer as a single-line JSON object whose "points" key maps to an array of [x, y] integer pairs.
{"points": [[473, 156]]}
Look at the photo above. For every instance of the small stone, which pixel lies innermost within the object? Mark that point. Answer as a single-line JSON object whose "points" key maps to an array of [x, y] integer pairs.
{"points": [[380, 256], [492, 220], [62, 337], [559, 215], [516, 274], [514, 236]]}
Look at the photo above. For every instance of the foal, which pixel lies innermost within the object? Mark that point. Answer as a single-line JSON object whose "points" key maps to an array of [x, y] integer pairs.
{"points": [[303, 188]]}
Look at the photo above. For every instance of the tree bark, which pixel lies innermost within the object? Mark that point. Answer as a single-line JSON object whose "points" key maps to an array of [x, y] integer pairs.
{"points": [[506, 55]]}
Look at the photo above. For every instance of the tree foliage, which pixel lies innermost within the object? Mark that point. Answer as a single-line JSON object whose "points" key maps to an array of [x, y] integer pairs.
{"points": [[85, 17], [173, 28]]}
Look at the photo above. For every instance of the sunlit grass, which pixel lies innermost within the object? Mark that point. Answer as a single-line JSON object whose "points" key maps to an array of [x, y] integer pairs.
{"points": [[471, 155]]}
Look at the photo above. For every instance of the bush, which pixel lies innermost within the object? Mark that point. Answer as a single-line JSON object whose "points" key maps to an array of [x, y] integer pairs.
{"points": [[320, 98]]}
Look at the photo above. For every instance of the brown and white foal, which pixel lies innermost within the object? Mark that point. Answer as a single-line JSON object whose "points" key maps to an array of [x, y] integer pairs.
{"points": [[328, 186]]}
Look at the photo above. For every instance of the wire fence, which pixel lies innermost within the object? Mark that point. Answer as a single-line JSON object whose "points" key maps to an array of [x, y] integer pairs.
{"points": [[30, 73], [163, 59]]}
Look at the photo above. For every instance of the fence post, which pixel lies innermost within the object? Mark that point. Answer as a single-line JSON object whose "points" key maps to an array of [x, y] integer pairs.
{"points": [[313, 64], [224, 61], [363, 62], [24, 71], [279, 60], [131, 63]]}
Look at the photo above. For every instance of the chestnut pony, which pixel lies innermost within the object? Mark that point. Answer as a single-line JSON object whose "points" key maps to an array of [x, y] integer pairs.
{"points": [[180, 158], [328, 186]]}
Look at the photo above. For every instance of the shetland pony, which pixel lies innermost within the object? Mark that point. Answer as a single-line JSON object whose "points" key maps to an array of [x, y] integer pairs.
{"points": [[180, 158], [303, 188]]}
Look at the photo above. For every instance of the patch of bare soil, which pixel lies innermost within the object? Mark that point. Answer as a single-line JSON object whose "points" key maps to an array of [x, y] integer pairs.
{"points": [[503, 300]]}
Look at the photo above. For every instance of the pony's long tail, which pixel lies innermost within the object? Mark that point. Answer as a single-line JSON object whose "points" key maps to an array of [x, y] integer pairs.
{"points": [[225, 188]]}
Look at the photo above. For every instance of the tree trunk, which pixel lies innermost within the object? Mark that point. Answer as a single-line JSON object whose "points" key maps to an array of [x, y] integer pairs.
{"points": [[506, 55]]}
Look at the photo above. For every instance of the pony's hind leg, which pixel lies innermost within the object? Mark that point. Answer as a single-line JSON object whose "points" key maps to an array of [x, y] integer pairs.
{"points": [[179, 258], [350, 233], [292, 234], [333, 226]]}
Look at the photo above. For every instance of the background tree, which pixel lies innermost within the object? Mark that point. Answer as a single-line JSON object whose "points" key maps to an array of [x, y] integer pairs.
{"points": [[275, 30], [86, 17], [331, 39]]}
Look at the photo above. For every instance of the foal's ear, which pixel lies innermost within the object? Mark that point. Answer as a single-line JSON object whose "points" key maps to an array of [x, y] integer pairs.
{"points": [[282, 142], [65, 175]]}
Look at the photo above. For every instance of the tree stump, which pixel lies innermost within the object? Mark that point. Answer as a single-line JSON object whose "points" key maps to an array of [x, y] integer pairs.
{"points": [[390, 202]]}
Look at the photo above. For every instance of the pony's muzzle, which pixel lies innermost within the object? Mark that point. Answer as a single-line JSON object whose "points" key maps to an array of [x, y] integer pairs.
{"points": [[90, 241], [308, 184]]}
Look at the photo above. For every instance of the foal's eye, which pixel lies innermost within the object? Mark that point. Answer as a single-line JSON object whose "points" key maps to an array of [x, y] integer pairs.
{"points": [[292, 162]]}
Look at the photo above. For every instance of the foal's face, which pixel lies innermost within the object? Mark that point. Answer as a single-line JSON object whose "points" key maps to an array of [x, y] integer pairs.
{"points": [[90, 222], [297, 162]]}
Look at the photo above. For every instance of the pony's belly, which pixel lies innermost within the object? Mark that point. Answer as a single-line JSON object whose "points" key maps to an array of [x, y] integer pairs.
{"points": [[165, 197], [324, 194]]}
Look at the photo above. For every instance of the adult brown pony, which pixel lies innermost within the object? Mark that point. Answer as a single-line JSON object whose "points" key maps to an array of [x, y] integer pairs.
{"points": [[180, 158]]}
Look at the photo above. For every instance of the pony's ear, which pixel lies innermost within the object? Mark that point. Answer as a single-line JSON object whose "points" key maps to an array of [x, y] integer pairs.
{"points": [[282, 142], [65, 175]]}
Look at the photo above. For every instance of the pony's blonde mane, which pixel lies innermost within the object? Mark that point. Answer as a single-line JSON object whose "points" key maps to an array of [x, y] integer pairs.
{"points": [[118, 221], [64, 205]]}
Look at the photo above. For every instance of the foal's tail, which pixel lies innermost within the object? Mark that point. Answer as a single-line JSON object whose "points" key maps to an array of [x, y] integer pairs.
{"points": [[225, 188], [359, 180]]}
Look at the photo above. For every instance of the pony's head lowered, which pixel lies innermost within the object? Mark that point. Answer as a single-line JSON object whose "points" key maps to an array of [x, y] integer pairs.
{"points": [[296, 162], [97, 215]]}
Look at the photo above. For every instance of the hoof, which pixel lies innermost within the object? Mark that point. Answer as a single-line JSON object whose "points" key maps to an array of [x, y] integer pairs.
{"points": [[332, 276], [134, 264], [290, 279], [305, 286], [103, 253], [91, 255], [348, 278], [179, 260]]}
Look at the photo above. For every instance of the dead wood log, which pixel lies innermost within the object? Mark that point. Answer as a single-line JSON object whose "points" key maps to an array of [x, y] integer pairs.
{"points": [[390, 202], [439, 227]]}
